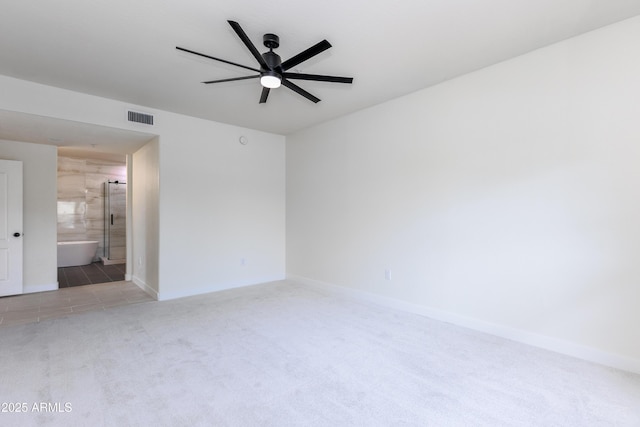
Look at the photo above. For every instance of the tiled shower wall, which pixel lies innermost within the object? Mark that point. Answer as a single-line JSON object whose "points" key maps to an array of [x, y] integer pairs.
{"points": [[81, 197]]}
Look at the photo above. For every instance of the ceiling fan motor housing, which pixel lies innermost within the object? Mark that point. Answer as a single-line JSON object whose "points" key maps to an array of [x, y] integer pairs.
{"points": [[273, 61]]}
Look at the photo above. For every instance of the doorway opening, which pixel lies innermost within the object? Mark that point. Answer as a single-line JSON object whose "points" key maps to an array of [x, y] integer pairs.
{"points": [[91, 213]]}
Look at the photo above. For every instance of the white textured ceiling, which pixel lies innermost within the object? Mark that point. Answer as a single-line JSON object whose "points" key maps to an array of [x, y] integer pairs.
{"points": [[125, 50]]}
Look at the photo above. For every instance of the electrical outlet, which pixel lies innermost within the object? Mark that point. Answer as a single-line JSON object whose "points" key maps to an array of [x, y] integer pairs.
{"points": [[243, 261], [387, 274]]}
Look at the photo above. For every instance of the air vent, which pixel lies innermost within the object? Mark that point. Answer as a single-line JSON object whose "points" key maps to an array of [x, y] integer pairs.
{"points": [[134, 116]]}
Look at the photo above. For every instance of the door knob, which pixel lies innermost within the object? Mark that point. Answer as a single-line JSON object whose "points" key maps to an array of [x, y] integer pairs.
{"points": [[16, 234]]}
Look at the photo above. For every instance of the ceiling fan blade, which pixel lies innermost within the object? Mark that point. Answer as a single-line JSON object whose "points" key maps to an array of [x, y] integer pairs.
{"points": [[247, 42], [216, 59], [265, 95], [306, 54], [317, 77], [233, 79], [300, 91]]}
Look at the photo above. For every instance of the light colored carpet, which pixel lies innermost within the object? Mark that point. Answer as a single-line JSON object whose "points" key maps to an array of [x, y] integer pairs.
{"points": [[280, 354]]}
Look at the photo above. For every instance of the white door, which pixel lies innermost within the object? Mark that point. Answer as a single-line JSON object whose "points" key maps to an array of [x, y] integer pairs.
{"points": [[10, 227]]}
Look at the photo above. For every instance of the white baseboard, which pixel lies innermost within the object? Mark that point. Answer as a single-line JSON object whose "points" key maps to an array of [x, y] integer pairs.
{"points": [[164, 296], [29, 289], [142, 285], [128, 277], [542, 341]]}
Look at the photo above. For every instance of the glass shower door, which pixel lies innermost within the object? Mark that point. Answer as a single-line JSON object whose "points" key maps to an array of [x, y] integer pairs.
{"points": [[115, 236]]}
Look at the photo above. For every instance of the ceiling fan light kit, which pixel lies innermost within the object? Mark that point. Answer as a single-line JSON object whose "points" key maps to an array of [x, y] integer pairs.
{"points": [[270, 79], [272, 71]]}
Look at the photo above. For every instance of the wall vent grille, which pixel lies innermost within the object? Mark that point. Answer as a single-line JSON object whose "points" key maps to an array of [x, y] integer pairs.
{"points": [[134, 116]]}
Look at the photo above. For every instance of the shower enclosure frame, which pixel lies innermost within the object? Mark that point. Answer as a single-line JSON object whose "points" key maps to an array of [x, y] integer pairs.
{"points": [[115, 222]]}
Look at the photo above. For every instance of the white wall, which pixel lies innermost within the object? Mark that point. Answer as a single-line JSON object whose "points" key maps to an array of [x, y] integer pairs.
{"points": [[39, 213], [218, 201], [507, 199], [144, 180], [226, 204]]}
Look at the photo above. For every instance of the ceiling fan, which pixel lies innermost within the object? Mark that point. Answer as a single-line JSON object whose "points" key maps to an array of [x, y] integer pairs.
{"points": [[273, 72]]}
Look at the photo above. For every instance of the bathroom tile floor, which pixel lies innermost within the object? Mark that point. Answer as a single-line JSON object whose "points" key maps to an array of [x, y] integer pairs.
{"points": [[90, 274], [36, 307]]}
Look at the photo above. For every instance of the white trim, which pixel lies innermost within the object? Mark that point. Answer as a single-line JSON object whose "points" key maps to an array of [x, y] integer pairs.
{"points": [[29, 289], [164, 296], [146, 288], [128, 277], [580, 351]]}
